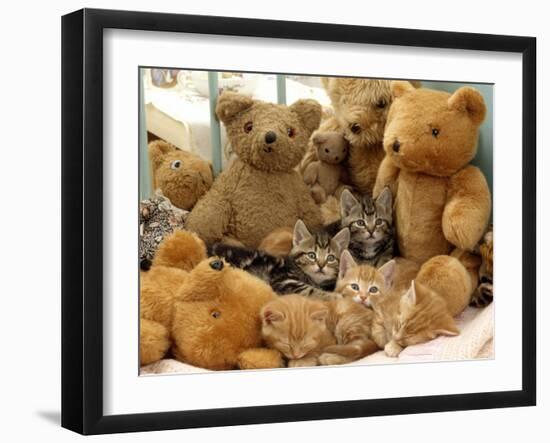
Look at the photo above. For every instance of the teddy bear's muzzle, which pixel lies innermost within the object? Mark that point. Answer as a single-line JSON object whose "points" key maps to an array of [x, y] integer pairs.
{"points": [[270, 137]]}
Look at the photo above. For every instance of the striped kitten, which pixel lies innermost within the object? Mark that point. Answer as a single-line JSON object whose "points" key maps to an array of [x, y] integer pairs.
{"points": [[372, 239], [311, 268]]}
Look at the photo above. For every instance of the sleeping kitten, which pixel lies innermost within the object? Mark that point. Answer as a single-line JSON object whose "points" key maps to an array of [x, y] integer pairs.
{"points": [[311, 268], [372, 239], [483, 295], [311, 332], [406, 312]]}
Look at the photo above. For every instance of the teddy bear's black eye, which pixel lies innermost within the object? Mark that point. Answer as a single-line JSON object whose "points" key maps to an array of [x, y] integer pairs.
{"points": [[290, 132], [217, 264], [381, 104], [216, 314], [435, 132], [355, 128], [176, 164], [248, 126]]}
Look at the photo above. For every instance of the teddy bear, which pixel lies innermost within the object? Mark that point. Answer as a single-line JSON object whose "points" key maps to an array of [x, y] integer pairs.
{"points": [[442, 203], [205, 312], [260, 191], [360, 110], [325, 174], [181, 176]]}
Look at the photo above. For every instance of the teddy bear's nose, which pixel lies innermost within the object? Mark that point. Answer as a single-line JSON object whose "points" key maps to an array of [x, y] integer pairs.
{"points": [[270, 137], [396, 146]]}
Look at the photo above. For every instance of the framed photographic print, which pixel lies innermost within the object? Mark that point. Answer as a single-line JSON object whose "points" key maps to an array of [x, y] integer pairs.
{"points": [[271, 221]]}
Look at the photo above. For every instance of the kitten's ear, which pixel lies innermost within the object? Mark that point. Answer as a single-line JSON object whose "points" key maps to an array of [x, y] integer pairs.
{"points": [[347, 203], [410, 296], [384, 203], [301, 233], [340, 241], [346, 263], [319, 314], [270, 315], [388, 270], [449, 329]]}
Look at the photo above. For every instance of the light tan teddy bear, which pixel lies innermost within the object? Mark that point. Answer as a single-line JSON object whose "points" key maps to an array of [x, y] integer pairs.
{"points": [[260, 191]]}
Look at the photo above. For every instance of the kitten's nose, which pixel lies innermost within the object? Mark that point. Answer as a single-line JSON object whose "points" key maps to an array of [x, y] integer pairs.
{"points": [[270, 137]]}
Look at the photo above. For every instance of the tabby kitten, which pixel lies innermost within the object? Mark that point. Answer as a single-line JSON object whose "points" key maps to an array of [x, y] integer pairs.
{"points": [[311, 268], [406, 312], [372, 238], [483, 295], [312, 332]]}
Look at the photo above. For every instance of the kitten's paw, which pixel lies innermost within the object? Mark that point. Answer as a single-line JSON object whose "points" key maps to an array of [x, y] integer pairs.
{"points": [[302, 362], [328, 359], [392, 349]]}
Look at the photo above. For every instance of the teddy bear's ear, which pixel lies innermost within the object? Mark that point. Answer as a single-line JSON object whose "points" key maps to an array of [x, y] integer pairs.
{"points": [[230, 104], [157, 150], [469, 100], [400, 87], [309, 112]]}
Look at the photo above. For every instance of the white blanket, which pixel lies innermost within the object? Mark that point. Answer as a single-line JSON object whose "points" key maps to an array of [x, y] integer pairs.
{"points": [[474, 341]]}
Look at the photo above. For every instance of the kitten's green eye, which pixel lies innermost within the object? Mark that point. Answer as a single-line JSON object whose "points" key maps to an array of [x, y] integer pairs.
{"points": [[360, 223], [354, 286], [379, 221], [312, 255], [373, 289], [331, 258]]}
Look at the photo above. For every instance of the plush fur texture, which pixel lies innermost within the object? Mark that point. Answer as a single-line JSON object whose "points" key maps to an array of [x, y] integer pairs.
{"points": [[361, 108], [204, 309], [324, 176], [260, 191], [441, 202], [182, 176], [310, 332]]}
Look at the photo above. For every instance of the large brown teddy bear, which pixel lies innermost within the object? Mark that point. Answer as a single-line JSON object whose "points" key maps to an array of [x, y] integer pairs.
{"points": [[260, 191], [205, 311], [360, 111], [183, 177], [441, 201]]}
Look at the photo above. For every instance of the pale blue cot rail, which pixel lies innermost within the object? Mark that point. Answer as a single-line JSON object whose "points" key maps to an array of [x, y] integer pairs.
{"points": [[145, 184]]}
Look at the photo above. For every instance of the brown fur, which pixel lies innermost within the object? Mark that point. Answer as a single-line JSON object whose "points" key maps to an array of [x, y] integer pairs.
{"points": [[209, 316], [310, 332], [184, 184], [278, 242], [365, 104], [324, 176], [260, 191]]}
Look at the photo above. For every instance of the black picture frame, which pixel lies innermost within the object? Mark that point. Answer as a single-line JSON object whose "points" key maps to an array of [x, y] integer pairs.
{"points": [[82, 219]]}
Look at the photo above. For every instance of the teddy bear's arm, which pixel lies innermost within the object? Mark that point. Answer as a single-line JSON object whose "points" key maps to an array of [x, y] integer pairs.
{"points": [[311, 172], [387, 176], [210, 216], [308, 211], [468, 208], [154, 341], [260, 358]]}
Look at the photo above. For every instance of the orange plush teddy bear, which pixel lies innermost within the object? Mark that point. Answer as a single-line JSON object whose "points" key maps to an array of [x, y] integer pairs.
{"points": [[205, 311]]}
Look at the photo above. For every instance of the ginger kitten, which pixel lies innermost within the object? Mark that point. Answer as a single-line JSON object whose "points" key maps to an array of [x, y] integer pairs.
{"points": [[310, 332], [406, 311]]}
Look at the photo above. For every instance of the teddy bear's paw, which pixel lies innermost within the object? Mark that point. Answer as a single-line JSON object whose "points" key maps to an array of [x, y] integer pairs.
{"points": [[260, 358], [392, 349], [328, 359], [302, 362]]}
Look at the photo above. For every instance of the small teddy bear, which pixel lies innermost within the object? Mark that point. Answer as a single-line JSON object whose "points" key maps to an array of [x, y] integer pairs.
{"points": [[181, 176], [261, 190], [324, 175]]}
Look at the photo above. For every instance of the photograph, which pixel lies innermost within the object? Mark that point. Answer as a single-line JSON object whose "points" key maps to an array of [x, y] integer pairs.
{"points": [[298, 220]]}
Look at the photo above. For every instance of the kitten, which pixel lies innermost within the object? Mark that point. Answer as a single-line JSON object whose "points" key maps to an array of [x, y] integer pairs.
{"points": [[311, 332], [483, 295], [372, 238], [406, 312], [310, 269]]}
